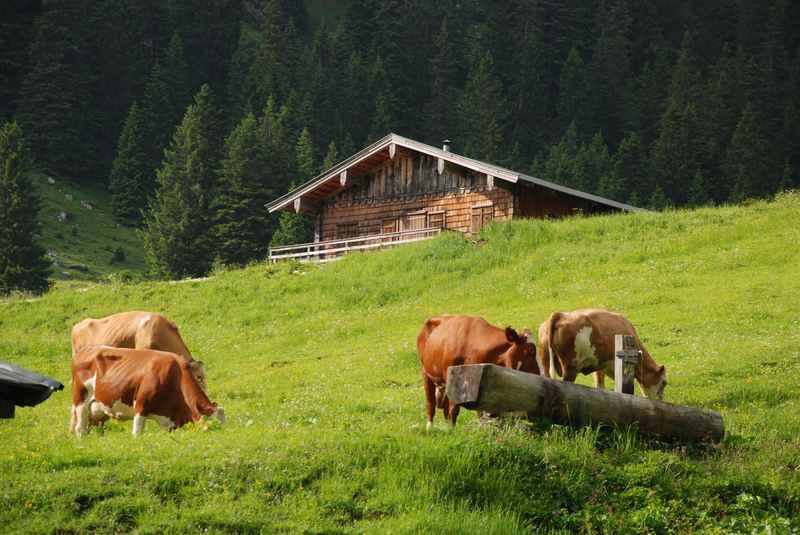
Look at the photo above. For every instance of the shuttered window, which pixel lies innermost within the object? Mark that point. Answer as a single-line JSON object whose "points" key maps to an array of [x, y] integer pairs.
{"points": [[481, 216], [347, 230], [435, 219], [415, 221], [389, 226]]}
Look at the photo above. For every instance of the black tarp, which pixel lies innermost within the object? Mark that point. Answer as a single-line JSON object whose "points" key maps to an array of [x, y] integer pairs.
{"points": [[24, 388]]}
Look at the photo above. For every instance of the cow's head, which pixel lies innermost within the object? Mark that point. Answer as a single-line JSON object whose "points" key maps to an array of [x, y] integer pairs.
{"points": [[199, 372], [522, 353], [656, 382]]}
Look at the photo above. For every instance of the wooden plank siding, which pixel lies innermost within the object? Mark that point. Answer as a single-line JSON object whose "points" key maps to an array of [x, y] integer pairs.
{"points": [[538, 202], [408, 183]]}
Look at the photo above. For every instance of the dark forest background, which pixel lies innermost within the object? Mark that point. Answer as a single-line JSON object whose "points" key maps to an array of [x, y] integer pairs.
{"points": [[221, 105]]}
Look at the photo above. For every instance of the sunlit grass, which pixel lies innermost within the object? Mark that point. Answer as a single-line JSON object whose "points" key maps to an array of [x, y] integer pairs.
{"points": [[318, 372]]}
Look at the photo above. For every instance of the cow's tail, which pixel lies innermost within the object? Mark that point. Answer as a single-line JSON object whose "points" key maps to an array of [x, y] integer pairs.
{"points": [[427, 329], [552, 325]]}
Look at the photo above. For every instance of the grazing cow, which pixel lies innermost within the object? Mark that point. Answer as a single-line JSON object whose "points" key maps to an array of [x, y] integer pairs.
{"points": [[583, 341], [134, 330], [450, 340], [137, 383]]}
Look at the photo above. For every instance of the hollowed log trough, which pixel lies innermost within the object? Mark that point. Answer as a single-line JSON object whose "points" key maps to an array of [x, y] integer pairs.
{"points": [[496, 390]]}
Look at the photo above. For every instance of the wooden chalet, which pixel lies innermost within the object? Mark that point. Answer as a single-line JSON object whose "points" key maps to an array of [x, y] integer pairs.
{"points": [[398, 190]]}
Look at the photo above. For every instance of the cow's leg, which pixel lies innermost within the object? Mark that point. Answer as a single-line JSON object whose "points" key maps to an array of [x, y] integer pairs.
{"points": [[82, 417], [570, 373], [453, 413], [430, 398], [138, 424], [599, 380]]}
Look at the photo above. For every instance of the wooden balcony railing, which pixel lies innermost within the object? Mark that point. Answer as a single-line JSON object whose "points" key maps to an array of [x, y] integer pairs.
{"points": [[326, 251]]}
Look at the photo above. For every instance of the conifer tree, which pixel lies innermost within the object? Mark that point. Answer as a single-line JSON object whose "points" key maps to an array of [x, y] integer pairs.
{"points": [[698, 191], [176, 232], [331, 157], [23, 264], [297, 228], [747, 159], [630, 181], [130, 179], [592, 163], [483, 111], [55, 108], [386, 108], [610, 68], [572, 93], [438, 114], [559, 167], [242, 224]]}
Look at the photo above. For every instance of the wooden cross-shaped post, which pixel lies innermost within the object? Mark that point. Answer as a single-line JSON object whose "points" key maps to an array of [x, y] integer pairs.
{"points": [[626, 358]]}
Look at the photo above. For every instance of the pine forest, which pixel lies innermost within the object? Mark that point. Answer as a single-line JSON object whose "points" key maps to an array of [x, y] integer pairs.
{"points": [[193, 114]]}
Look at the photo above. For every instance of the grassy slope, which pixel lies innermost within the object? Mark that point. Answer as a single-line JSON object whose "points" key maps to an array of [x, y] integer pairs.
{"points": [[85, 244], [318, 373]]}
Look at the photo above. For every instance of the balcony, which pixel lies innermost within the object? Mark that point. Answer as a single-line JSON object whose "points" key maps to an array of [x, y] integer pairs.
{"points": [[328, 251]]}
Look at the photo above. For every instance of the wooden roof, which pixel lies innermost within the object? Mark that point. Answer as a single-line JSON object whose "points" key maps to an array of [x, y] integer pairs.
{"points": [[336, 178]]}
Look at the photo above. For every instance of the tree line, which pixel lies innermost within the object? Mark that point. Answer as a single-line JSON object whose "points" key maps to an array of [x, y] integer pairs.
{"points": [[195, 113]]}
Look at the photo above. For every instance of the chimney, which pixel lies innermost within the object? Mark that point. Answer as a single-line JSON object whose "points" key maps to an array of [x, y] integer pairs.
{"points": [[446, 145]]}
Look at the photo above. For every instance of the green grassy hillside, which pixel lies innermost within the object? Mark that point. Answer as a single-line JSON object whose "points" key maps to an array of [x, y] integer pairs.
{"points": [[317, 370], [83, 246]]}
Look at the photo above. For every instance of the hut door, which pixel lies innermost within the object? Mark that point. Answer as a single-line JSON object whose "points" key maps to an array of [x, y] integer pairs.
{"points": [[481, 216]]}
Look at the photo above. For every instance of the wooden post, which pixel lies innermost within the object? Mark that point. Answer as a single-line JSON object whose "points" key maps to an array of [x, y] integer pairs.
{"points": [[6, 409], [498, 390], [626, 358]]}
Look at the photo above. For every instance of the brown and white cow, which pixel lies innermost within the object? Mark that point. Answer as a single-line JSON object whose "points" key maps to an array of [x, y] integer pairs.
{"points": [[135, 330], [583, 341], [451, 340], [137, 383]]}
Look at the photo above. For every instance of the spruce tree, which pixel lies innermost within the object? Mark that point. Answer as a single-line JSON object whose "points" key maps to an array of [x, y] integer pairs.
{"points": [[628, 170], [747, 159], [292, 227], [130, 181], [483, 111], [386, 111], [23, 264], [572, 94], [176, 231], [55, 108], [331, 157], [438, 109], [242, 224], [610, 68]]}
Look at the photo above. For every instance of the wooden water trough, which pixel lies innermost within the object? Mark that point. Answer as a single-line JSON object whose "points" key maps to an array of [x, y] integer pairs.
{"points": [[497, 390]]}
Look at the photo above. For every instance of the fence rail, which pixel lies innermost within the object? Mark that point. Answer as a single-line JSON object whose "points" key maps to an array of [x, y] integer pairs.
{"points": [[326, 251]]}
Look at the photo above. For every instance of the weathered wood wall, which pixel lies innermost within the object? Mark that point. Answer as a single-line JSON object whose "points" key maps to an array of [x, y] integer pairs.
{"points": [[410, 183], [538, 202]]}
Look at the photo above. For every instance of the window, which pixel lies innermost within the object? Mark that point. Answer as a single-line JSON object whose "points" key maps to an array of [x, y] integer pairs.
{"points": [[481, 216], [389, 226], [415, 221], [347, 230], [435, 219]]}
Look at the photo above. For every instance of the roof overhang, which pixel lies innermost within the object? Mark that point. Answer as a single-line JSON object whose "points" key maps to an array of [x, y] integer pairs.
{"points": [[305, 197]]}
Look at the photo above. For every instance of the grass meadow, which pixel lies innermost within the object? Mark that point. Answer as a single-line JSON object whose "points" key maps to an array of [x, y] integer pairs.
{"points": [[84, 246], [318, 373]]}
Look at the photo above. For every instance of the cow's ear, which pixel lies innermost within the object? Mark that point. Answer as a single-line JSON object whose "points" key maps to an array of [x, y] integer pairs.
{"points": [[511, 335]]}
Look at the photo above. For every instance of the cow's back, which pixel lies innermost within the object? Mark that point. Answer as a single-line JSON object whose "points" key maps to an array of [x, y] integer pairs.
{"points": [[135, 330], [579, 334], [455, 340], [144, 373]]}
